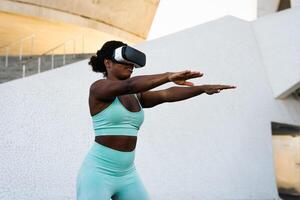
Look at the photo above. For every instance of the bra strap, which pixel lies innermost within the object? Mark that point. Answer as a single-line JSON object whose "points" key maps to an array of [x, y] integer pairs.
{"points": [[138, 100]]}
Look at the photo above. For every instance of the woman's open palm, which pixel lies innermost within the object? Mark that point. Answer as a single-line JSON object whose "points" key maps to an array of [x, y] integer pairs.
{"points": [[180, 78], [212, 89]]}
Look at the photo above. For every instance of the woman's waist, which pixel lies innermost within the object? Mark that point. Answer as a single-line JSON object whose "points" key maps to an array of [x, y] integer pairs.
{"points": [[124, 143], [101, 155]]}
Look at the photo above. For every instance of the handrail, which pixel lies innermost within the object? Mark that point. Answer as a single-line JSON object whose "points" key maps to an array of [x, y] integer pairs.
{"points": [[52, 55], [23, 63], [56, 47], [32, 36], [21, 39], [60, 45]]}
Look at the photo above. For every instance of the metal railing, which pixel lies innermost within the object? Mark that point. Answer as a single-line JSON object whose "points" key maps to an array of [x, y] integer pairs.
{"points": [[24, 65], [21, 41], [52, 54]]}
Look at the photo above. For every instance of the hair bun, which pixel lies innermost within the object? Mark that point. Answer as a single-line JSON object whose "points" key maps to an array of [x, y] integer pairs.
{"points": [[106, 52], [94, 62]]}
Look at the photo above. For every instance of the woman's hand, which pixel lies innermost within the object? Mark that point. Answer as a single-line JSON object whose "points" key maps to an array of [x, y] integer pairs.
{"points": [[180, 78], [211, 89]]}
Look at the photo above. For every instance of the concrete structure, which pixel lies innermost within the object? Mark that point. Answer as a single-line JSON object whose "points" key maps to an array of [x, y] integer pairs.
{"points": [[207, 147], [126, 15], [128, 20], [192, 13], [266, 7], [280, 46], [295, 3], [47, 35]]}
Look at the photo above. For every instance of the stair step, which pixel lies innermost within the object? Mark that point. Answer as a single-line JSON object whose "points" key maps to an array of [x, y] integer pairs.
{"points": [[14, 70]]}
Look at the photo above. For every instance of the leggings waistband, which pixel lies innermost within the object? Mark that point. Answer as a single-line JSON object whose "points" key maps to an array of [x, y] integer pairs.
{"points": [[109, 160]]}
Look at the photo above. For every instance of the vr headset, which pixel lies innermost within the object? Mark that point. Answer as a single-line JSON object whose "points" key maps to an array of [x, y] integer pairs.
{"points": [[128, 55]]}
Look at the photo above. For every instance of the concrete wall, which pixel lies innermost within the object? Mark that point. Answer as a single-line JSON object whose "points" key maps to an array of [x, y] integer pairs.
{"points": [[77, 39], [266, 7], [278, 39], [295, 3], [207, 147], [118, 18]]}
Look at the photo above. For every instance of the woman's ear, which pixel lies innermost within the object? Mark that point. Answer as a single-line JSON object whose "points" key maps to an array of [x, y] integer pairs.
{"points": [[107, 63]]}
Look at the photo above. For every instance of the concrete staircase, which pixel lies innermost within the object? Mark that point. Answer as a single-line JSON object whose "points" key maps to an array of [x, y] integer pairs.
{"points": [[14, 70]]}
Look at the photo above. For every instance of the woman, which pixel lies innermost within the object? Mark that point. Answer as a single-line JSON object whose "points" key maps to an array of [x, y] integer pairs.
{"points": [[116, 106]]}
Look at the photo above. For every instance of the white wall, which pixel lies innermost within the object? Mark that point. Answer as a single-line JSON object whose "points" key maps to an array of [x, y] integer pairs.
{"points": [[278, 38], [266, 7], [207, 147], [45, 132], [295, 3]]}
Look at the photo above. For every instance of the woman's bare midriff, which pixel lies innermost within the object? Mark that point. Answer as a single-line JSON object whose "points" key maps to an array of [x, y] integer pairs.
{"points": [[117, 142]]}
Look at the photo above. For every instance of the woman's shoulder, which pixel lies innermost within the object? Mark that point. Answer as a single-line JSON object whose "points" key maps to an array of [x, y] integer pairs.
{"points": [[97, 82]]}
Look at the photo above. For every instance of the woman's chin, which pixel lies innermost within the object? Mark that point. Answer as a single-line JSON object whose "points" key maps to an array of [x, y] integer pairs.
{"points": [[129, 74], [125, 76]]}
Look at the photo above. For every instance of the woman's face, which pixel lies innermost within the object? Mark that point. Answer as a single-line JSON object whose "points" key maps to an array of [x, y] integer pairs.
{"points": [[118, 70]]}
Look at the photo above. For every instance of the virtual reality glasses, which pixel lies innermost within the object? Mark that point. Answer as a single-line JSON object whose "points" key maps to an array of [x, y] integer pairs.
{"points": [[128, 55]]}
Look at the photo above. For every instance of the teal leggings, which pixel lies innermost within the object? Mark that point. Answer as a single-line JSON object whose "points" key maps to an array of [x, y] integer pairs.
{"points": [[109, 174]]}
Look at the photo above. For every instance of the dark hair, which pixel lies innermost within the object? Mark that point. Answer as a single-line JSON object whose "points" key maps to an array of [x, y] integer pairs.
{"points": [[106, 52]]}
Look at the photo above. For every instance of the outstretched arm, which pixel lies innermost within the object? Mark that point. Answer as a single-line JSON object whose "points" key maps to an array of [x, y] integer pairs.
{"points": [[106, 90], [149, 99]]}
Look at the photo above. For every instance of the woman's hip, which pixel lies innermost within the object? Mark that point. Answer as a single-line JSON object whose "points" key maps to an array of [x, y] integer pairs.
{"points": [[102, 159]]}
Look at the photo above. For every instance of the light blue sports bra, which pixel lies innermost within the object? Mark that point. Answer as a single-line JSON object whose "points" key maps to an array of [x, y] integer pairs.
{"points": [[117, 120]]}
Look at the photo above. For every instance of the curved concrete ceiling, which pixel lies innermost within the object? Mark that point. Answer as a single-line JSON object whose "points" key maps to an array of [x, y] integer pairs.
{"points": [[131, 16], [97, 20]]}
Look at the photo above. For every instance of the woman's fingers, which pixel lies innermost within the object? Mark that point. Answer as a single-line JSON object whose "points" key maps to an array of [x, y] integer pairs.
{"points": [[181, 77], [189, 74], [188, 83], [223, 87], [185, 72], [195, 75], [219, 88], [181, 74]]}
